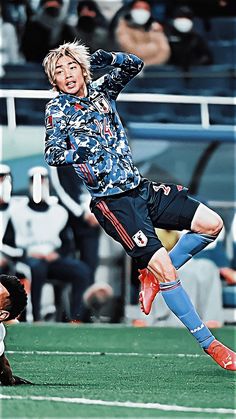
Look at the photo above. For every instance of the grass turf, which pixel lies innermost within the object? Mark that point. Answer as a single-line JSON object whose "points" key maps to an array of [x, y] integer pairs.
{"points": [[117, 364]]}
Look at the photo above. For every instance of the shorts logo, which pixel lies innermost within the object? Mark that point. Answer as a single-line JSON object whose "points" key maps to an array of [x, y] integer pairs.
{"points": [[140, 239]]}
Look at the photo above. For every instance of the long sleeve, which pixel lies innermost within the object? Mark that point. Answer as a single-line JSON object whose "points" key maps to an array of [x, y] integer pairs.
{"points": [[126, 67], [57, 148]]}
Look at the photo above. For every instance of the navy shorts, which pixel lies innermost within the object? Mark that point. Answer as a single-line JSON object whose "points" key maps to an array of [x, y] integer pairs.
{"points": [[131, 217]]}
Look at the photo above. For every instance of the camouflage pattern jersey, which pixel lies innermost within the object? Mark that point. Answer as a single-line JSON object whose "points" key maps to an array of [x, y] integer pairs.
{"points": [[92, 121]]}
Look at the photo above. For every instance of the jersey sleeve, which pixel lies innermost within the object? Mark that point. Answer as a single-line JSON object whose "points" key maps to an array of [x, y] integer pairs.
{"points": [[126, 66], [57, 151], [2, 336]]}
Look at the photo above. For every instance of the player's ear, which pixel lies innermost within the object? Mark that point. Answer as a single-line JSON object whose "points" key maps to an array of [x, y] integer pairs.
{"points": [[4, 314]]}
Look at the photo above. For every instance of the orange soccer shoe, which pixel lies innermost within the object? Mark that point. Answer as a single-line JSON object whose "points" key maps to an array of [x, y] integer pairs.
{"points": [[149, 289], [222, 355]]}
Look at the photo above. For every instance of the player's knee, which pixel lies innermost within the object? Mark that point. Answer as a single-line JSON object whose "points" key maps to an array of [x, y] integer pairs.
{"points": [[206, 221], [161, 266], [215, 226]]}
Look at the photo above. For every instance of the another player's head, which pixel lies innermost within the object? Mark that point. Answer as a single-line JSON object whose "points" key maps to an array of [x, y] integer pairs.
{"points": [[13, 297], [68, 67]]}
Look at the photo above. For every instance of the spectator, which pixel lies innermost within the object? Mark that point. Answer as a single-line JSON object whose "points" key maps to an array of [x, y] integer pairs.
{"points": [[138, 33], [8, 251], [91, 27], [17, 12], [9, 45], [40, 230], [85, 228], [188, 47], [44, 30], [75, 198]]}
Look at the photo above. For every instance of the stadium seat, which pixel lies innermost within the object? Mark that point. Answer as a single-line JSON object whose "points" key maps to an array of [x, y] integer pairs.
{"points": [[30, 111], [214, 80], [157, 82], [222, 28], [222, 114], [24, 76], [229, 296], [187, 113], [3, 112], [146, 112], [224, 52]]}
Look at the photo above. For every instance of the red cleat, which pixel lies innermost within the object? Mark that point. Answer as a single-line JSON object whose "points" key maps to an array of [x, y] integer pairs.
{"points": [[149, 289], [222, 355]]}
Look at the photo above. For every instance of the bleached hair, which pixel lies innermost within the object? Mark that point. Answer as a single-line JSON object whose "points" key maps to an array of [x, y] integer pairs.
{"points": [[75, 50]]}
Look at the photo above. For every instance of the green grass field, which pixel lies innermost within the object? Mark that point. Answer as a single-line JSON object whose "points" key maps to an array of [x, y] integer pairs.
{"points": [[115, 372]]}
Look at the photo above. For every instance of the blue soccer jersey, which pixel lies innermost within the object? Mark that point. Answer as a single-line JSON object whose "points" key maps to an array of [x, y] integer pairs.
{"points": [[93, 122]]}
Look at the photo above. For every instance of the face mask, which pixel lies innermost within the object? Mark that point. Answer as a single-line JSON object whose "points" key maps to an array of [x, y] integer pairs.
{"points": [[5, 189], [140, 16], [39, 188], [183, 24], [87, 23], [53, 11]]}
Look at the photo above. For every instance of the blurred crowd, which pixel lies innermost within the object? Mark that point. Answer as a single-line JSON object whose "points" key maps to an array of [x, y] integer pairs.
{"points": [[158, 32], [54, 239]]}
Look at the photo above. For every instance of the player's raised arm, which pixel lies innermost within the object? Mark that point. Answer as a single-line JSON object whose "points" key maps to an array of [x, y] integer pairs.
{"points": [[126, 66]]}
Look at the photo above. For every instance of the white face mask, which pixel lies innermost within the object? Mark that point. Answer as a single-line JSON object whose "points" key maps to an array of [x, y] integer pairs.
{"points": [[5, 189], [140, 16], [39, 188], [183, 24]]}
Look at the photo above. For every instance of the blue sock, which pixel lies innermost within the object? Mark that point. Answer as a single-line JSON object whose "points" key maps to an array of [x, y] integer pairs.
{"points": [[180, 304], [188, 246]]}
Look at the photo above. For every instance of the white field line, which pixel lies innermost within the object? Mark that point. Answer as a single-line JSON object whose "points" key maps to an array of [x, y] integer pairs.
{"points": [[156, 406], [68, 353]]}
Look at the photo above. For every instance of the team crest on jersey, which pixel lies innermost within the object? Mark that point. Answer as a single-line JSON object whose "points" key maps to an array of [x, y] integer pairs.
{"points": [[101, 104], [140, 239], [49, 122]]}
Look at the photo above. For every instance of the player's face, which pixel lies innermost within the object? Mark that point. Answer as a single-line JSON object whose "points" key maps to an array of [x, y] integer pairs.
{"points": [[69, 77], [4, 300]]}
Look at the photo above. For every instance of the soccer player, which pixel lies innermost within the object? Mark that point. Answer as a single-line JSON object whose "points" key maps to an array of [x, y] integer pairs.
{"points": [[13, 300], [83, 129]]}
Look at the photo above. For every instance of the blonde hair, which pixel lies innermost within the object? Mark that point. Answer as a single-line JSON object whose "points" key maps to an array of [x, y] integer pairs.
{"points": [[75, 50]]}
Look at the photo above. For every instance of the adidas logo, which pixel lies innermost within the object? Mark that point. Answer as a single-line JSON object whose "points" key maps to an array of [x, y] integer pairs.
{"points": [[197, 329]]}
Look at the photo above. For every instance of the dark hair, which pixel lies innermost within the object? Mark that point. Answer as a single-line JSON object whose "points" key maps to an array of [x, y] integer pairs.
{"points": [[92, 5], [17, 297], [183, 11]]}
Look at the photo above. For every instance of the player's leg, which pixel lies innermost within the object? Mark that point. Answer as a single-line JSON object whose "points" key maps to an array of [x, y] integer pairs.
{"points": [[76, 272], [202, 221], [180, 304], [205, 227], [126, 219]]}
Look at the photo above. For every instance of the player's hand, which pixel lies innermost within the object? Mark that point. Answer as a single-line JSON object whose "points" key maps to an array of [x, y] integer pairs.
{"points": [[6, 377], [101, 58], [81, 154], [12, 380], [19, 381]]}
